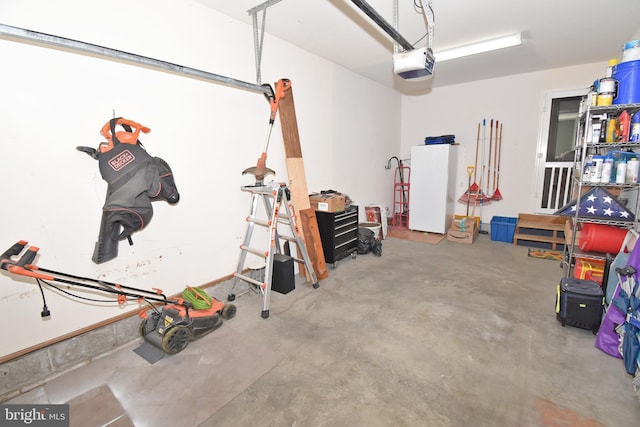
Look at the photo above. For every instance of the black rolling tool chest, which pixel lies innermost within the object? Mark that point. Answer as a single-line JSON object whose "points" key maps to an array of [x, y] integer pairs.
{"points": [[339, 234]]}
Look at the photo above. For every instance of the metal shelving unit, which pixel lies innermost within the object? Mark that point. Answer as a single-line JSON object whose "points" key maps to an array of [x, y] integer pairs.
{"points": [[585, 146]]}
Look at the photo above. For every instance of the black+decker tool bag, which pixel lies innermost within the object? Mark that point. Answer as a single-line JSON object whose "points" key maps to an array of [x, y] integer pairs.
{"points": [[134, 179]]}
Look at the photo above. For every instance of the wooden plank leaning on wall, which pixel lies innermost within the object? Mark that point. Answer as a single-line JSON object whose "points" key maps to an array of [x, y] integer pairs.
{"points": [[298, 183]]}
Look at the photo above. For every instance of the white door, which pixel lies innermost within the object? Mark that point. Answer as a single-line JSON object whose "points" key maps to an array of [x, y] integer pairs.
{"points": [[556, 142]]}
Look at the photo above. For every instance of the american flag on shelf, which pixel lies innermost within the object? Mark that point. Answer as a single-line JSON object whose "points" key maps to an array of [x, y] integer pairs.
{"points": [[598, 203]]}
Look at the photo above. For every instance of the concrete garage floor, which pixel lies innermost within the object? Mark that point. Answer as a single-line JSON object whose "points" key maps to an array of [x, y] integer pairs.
{"points": [[426, 335]]}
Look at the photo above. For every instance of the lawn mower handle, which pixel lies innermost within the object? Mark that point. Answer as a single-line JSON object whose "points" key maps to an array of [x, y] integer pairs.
{"points": [[14, 250], [6, 263], [23, 263], [23, 266]]}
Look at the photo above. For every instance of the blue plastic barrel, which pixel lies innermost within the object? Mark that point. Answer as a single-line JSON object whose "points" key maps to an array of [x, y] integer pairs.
{"points": [[628, 76]]}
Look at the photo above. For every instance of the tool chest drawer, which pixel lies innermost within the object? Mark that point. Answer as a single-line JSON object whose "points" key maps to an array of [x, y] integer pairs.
{"points": [[339, 234]]}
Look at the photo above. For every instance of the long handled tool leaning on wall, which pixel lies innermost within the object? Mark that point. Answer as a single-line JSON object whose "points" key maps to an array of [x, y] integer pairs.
{"points": [[481, 198], [475, 195], [260, 170], [496, 193]]}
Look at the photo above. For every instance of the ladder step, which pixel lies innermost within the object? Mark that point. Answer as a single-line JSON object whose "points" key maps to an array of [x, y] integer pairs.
{"points": [[261, 222], [249, 280], [265, 190], [298, 260], [258, 252]]}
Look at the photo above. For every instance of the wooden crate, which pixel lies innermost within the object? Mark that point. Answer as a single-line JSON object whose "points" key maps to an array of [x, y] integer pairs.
{"points": [[553, 223]]}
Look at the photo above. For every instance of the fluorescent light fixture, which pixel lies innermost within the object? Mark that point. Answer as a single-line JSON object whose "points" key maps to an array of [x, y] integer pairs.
{"points": [[479, 47]]}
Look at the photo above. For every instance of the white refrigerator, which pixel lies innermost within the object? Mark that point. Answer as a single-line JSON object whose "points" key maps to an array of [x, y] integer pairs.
{"points": [[431, 187]]}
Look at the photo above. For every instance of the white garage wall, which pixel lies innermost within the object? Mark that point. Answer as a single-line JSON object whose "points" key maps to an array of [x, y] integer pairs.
{"points": [[517, 102], [53, 101]]}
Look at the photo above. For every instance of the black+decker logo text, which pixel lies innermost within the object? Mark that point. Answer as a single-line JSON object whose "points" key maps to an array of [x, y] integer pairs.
{"points": [[121, 160]]}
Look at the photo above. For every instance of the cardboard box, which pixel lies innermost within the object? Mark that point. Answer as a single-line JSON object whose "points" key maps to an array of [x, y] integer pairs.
{"points": [[327, 202], [463, 231], [477, 218]]}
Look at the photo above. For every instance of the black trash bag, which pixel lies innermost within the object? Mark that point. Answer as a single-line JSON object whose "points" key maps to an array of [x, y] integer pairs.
{"points": [[367, 242], [364, 240], [376, 247]]}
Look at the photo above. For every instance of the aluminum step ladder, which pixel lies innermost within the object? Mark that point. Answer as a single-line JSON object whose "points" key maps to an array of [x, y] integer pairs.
{"points": [[276, 198]]}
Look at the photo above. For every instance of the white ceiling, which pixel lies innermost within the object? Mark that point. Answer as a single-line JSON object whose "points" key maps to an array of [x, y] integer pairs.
{"points": [[555, 33]]}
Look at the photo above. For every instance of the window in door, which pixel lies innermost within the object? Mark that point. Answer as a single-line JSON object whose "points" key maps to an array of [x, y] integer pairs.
{"points": [[556, 152], [562, 129]]}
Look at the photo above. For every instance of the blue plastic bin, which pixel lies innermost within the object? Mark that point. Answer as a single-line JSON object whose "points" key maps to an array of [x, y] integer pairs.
{"points": [[503, 228]]}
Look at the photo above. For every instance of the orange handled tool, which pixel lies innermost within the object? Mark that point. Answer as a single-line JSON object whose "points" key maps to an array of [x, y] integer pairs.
{"points": [[260, 170], [129, 136], [22, 265]]}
